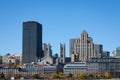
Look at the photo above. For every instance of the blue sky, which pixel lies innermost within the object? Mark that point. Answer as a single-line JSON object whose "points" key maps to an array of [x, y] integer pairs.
{"points": [[61, 20]]}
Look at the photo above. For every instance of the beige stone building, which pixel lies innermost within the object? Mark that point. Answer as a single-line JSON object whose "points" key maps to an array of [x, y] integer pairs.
{"points": [[83, 48]]}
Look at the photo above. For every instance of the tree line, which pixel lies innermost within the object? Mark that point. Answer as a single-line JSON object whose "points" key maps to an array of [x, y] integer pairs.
{"points": [[81, 75]]}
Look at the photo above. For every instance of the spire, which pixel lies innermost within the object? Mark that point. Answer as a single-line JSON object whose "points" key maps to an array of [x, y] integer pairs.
{"points": [[84, 33]]}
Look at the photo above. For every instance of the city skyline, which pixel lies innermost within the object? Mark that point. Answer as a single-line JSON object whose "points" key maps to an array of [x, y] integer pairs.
{"points": [[61, 20]]}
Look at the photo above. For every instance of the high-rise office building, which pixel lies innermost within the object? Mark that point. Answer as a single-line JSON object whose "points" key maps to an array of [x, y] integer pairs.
{"points": [[32, 42], [62, 53], [98, 50], [83, 48], [72, 46]]}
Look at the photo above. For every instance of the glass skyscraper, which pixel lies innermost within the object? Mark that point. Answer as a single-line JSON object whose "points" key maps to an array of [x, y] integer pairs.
{"points": [[32, 42]]}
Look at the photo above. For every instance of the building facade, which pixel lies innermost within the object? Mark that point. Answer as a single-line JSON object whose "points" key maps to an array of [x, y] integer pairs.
{"points": [[75, 68], [12, 58], [98, 50], [83, 48], [29, 69], [9, 71], [116, 53], [37, 68], [47, 49], [1, 59], [62, 53], [32, 42], [72, 46], [47, 60], [106, 54], [103, 65]]}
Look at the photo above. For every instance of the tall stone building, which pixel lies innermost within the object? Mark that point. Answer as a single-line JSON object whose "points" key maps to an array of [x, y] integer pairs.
{"points": [[47, 59], [32, 42], [62, 53], [83, 48], [47, 49]]}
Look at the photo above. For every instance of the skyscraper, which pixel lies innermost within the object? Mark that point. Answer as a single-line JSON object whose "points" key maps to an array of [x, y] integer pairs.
{"points": [[83, 48], [32, 42]]}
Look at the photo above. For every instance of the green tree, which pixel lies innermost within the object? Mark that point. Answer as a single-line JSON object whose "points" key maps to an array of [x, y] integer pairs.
{"points": [[107, 75], [90, 76], [17, 76], [70, 75], [28, 76], [41, 75], [8, 75], [54, 76], [82, 75], [99, 75], [35, 76], [61, 76], [2, 76]]}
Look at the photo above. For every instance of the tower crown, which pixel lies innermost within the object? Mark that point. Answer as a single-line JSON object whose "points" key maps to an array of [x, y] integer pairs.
{"points": [[84, 33]]}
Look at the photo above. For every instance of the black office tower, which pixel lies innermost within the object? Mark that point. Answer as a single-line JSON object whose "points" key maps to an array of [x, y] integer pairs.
{"points": [[32, 42]]}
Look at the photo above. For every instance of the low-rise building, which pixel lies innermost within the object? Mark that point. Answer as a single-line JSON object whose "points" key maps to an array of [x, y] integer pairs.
{"points": [[12, 58], [38, 68], [9, 71], [29, 69], [50, 69], [106, 54], [102, 65], [75, 68], [47, 60]]}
